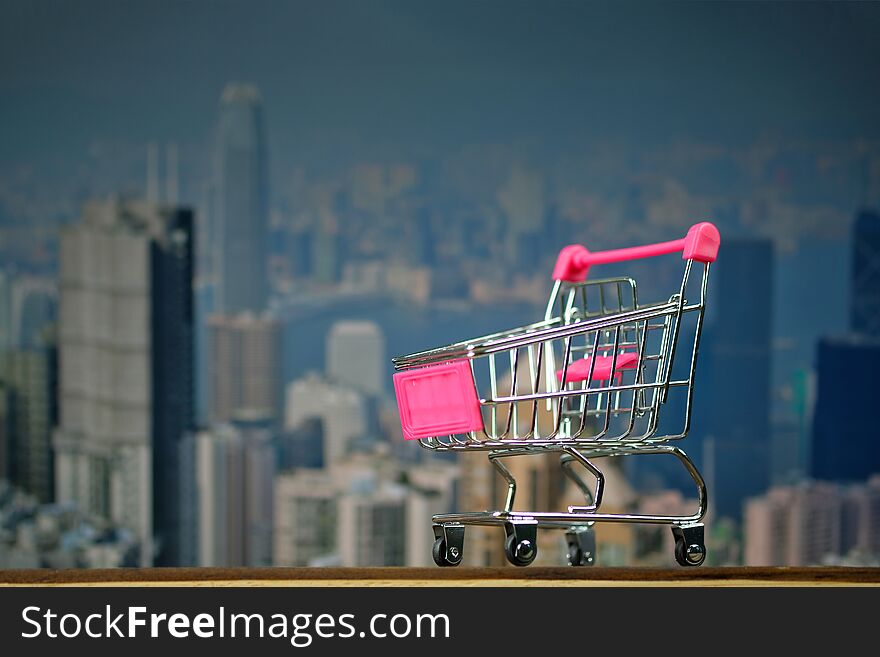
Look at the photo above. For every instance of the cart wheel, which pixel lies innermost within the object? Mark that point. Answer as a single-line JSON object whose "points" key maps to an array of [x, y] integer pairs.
{"points": [[693, 554], [441, 555], [575, 555], [520, 552], [581, 547]]}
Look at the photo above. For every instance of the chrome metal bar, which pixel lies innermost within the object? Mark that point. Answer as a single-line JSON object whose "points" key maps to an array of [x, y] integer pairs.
{"points": [[508, 477], [558, 519], [596, 501]]}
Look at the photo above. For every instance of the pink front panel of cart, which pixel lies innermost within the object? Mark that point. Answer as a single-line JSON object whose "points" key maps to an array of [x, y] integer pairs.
{"points": [[438, 400]]}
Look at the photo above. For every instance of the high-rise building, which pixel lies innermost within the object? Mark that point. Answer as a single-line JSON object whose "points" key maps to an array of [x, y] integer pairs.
{"points": [[342, 411], [356, 356], [845, 445], [861, 523], [203, 294], [126, 367], [302, 446], [31, 376], [865, 317], [5, 312], [325, 255], [259, 468], [372, 526], [241, 206], [244, 367], [228, 473], [305, 517], [732, 403], [34, 306], [5, 430]]}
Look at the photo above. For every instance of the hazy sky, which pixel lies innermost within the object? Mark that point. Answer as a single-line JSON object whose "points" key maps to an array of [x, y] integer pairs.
{"points": [[341, 79]]}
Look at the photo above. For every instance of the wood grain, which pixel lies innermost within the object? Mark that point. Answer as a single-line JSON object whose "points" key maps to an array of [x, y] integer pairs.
{"points": [[539, 576]]}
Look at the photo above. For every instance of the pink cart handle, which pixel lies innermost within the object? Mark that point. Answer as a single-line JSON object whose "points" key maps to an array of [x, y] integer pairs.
{"points": [[701, 244]]}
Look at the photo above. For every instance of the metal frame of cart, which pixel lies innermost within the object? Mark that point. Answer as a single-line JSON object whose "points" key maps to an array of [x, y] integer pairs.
{"points": [[593, 379]]}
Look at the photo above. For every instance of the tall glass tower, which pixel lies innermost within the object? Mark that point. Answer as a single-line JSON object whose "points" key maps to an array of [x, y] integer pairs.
{"points": [[126, 367], [866, 274], [240, 211]]}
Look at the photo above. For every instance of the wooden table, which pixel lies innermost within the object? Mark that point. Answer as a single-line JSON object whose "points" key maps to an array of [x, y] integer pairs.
{"points": [[457, 577]]}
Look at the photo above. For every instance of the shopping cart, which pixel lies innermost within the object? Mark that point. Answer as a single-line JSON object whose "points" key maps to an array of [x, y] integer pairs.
{"points": [[588, 381]]}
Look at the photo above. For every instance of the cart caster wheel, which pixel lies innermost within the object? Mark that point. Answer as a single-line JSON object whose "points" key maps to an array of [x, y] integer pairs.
{"points": [[448, 545], [690, 550], [690, 555], [581, 547], [520, 551], [444, 557]]}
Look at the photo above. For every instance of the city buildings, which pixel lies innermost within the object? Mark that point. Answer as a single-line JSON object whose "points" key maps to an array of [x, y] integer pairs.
{"points": [[125, 344], [406, 238], [305, 517], [239, 226], [343, 413], [34, 535], [227, 474], [356, 356], [302, 446], [812, 523], [244, 367], [366, 509], [372, 525]]}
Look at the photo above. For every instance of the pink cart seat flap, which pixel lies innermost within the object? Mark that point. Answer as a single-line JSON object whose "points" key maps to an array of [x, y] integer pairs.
{"points": [[438, 400], [579, 370]]}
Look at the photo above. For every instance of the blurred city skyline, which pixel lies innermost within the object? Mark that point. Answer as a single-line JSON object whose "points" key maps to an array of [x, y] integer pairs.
{"points": [[321, 186]]}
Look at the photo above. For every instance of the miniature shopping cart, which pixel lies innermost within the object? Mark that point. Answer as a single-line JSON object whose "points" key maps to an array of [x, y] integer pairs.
{"points": [[601, 376]]}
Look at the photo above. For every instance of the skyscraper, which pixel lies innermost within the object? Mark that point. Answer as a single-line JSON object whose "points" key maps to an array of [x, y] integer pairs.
{"points": [[734, 394], [356, 356], [244, 367], [34, 305], [325, 256], [228, 473], [5, 312], [241, 207], [32, 413], [5, 430], [845, 445], [126, 363], [865, 318]]}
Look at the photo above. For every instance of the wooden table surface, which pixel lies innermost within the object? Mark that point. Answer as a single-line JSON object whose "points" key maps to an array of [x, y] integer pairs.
{"points": [[538, 576]]}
